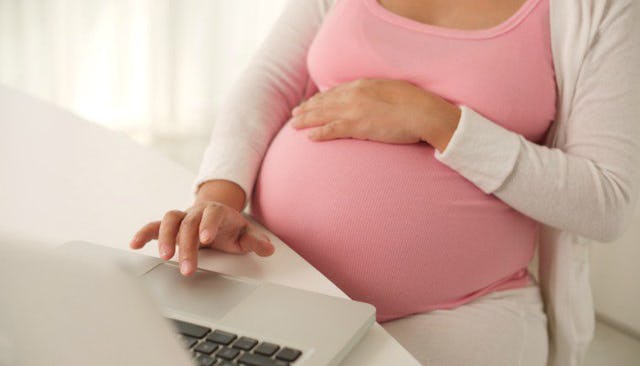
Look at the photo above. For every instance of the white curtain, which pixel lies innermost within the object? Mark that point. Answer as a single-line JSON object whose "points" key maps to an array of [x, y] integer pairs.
{"points": [[141, 66]]}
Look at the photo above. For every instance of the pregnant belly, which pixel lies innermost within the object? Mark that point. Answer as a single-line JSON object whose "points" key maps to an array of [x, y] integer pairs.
{"points": [[389, 224]]}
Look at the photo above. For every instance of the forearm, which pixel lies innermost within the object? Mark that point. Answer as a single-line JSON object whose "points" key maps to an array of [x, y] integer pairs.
{"points": [[223, 191], [260, 101], [589, 191]]}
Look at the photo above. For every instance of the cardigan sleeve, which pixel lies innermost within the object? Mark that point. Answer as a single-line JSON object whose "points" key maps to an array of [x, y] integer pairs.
{"points": [[589, 185], [260, 100]]}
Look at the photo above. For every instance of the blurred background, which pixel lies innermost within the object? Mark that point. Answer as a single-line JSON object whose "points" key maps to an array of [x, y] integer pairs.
{"points": [[157, 71], [153, 69]]}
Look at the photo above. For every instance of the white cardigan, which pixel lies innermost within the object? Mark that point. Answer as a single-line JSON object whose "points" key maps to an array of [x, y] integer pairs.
{"points": [[583, 185]]}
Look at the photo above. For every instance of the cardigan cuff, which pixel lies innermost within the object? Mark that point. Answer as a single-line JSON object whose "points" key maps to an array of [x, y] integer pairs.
{"points": [[481, 150]]}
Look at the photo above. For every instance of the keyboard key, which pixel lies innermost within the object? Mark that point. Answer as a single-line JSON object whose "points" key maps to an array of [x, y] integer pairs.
{"points": [[190, 329], [288, 354], [252, 359], [204, 351], [206, 347], [221, 337], [266, 348], [188, 341], [228, 353], [245, 343], [204, 360]]}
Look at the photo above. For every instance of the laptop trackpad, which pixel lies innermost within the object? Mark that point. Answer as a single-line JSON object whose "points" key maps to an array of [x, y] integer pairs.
{"points": [[205, 293]]}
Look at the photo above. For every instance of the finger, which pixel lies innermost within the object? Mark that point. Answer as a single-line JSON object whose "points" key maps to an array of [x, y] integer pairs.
{"points": [[299, 107], [308, 104], [334, 130], [257, 242], [188, 242], [312, 118], [313, 102], [146, 233], [168, 231], [212, 217]]}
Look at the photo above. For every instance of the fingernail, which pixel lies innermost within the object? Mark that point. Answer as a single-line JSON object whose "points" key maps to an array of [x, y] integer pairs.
{"points": [[267, 245], [186, 267], [205, 235], [163, 251], [295, 110], [260, 237]]}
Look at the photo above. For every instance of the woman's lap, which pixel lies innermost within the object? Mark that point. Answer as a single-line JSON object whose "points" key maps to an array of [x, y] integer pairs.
{"points": [[501, 328]]}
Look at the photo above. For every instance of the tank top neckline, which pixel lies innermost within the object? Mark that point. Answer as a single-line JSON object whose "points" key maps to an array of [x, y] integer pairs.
{"points": [[516, 18]]}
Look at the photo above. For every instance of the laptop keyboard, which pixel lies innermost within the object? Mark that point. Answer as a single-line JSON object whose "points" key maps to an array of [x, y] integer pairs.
{"points": [[214, 347]]}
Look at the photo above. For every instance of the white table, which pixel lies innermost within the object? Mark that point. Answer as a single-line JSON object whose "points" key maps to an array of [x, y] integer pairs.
{"points": [[64, 178]]}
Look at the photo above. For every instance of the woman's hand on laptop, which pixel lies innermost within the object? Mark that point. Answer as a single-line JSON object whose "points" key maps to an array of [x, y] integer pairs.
{"points": [[208, 223]]}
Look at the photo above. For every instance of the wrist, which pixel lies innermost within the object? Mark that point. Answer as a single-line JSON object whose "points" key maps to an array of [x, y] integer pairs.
{"points": [[223, 191], [440, 127]]}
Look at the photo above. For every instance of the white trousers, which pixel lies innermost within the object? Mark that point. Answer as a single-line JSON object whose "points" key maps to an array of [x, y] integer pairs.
{"points": [[503, 328]]}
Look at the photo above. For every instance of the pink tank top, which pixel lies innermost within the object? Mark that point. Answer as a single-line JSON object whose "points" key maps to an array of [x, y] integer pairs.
{"points": [[389, 224]]}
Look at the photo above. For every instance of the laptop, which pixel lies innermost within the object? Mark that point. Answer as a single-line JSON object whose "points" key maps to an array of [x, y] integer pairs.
{"points": [[88, 304]]}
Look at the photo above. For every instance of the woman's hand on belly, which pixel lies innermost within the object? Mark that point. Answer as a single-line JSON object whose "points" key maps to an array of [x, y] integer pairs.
{"points": [[390, 111]]}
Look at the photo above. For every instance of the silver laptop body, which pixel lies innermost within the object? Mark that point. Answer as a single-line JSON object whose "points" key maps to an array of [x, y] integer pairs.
{"points": [[89, 304]]}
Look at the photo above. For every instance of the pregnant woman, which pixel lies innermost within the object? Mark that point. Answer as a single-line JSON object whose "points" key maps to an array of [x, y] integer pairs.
{"points": [[412, 171]]}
